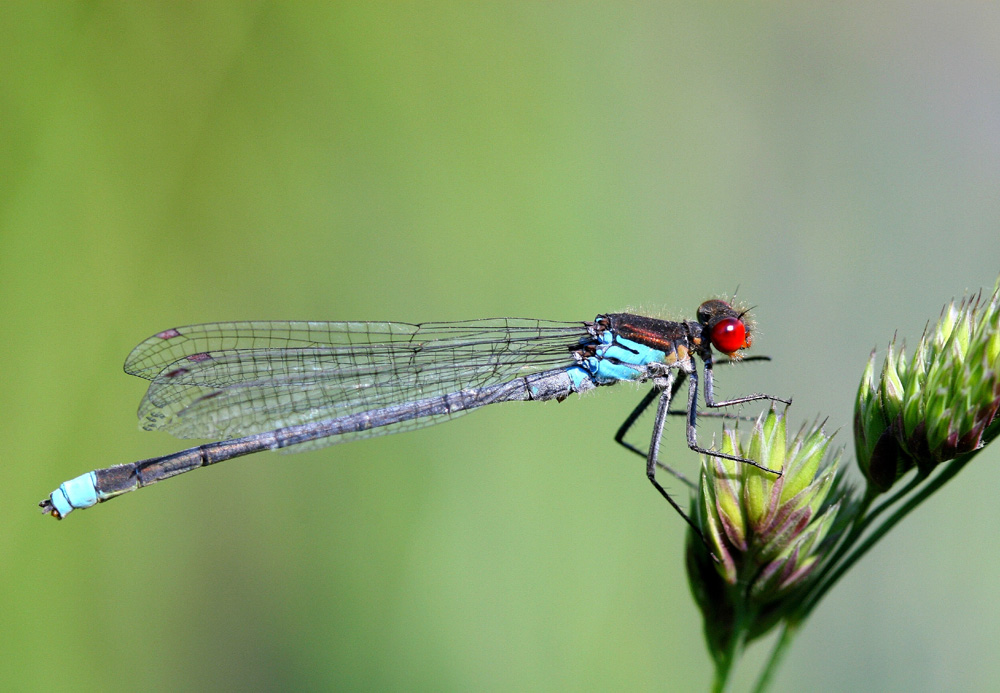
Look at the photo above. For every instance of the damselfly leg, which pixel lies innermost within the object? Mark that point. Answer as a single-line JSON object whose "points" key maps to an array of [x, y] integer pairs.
{"points": [[692, 433], [665, 388], [654, 394]]}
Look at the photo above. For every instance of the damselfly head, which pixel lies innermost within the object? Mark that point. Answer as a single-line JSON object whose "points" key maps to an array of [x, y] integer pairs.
{"points": [[728, 328]]}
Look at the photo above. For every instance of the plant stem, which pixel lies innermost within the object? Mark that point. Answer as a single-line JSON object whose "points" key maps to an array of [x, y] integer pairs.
{"points": [[845, 544], [953, 468], [892, 500], [788, 633], [724, 662]]}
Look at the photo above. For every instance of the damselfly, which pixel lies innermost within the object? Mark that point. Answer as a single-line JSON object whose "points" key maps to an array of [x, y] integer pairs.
{"points": [[294, 386]]}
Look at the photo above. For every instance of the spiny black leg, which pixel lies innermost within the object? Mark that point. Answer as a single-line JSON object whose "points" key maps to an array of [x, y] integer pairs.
{"points": [[724, 415], [714, 415], [654, 449], [692, 433], [745, 359], [653, 394], [710, 394], [634, 416]]}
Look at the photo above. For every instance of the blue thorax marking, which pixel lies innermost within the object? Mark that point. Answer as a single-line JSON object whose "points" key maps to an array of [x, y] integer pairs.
{"points": [[616, 359]]}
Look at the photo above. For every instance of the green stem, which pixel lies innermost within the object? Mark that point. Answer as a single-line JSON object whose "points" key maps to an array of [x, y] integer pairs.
{"points": [[953, 468], [788, 633], [742, 619], [745, 615], [722, 669], [864, 519], [845, 544], [893, 499]]}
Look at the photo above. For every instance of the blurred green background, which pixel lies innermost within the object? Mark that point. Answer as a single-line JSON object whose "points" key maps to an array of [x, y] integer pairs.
{"points": [[164, 164]]}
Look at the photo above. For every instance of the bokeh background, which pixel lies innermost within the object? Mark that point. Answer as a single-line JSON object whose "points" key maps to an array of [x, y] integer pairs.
{"points": [[164, 164]]}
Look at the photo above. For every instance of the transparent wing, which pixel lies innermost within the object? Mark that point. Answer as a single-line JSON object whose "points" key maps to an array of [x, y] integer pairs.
{"points": [[226, 380]]}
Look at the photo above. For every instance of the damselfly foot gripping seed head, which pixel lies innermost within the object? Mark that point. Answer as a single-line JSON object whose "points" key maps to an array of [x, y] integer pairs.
{"points": [[769, 532]]}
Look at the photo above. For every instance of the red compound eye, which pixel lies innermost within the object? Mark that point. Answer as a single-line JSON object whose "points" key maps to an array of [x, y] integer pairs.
{"points": [[729, 335]]}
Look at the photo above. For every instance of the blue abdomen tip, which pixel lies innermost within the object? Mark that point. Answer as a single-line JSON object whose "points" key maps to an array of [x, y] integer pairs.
{"points": [[80, 492]]}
